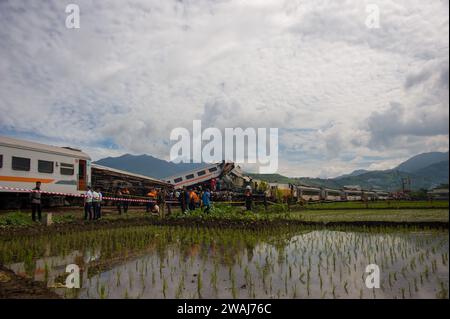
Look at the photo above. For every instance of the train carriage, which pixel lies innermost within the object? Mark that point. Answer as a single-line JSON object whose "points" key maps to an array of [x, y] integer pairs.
{"points": [[381, 195], [200, 175], [352, 195], [59, 169], [309, 193], [282, 190], [369, 195], [332, 195]]}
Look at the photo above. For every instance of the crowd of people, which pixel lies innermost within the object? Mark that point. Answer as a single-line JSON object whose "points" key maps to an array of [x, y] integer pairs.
{"points": [[189, 199], [93, 204], [193, 198]]}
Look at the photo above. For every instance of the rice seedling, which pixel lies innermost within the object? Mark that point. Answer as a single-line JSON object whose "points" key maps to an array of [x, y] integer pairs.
{"points": [[290, 262]]}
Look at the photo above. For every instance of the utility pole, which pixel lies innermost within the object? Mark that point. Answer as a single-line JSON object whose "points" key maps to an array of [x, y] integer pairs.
{"points": [[406, 185]]}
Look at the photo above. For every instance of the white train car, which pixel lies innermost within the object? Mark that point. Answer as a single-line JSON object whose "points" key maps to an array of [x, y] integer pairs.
{"points": [[369, 195], [352, 195], [381, 195], [332, 195], [59, 169], [309, 193]]}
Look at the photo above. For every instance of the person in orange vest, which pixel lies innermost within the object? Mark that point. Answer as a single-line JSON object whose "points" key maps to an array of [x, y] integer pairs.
{"points": [[193, 199], [152, 195]]}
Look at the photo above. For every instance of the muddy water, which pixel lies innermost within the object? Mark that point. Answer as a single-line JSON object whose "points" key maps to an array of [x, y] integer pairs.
{"points": [[177, 262]]}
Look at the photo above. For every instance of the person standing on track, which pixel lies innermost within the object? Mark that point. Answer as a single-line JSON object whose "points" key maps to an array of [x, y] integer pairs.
{"points": [[36, 207]]}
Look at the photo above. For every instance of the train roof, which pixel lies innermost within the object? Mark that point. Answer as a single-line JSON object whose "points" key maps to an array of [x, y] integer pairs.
{"points": [[33, 146], [120, 172]]}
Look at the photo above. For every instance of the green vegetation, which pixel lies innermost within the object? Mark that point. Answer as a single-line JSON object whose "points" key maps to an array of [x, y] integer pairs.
{"points": [[15, 219], [21, 219], [390, 180], [388, 215], [380, 205], [280, 212], [194, 262], [321, 212]]}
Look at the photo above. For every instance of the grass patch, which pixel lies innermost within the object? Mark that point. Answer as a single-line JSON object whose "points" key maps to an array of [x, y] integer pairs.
{"points": [[15, 219], [391, 215], [220, 211], [380, 205]]}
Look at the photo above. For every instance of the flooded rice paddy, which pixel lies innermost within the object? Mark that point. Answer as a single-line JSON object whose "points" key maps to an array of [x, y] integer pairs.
{"points": [[189, 262]]}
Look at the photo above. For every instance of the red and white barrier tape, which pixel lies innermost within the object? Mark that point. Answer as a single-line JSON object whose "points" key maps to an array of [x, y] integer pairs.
{"points": [[16, 189]]}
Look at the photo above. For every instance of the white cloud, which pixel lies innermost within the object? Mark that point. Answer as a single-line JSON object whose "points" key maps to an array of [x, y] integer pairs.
{"points": [[137, 69]]}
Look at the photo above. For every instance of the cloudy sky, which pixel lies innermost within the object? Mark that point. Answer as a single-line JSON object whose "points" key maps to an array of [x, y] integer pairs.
{"points": [[344, 96]]}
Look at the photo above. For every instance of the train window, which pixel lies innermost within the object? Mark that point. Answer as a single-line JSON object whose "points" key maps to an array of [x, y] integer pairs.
{"points": [[1, 161], [201, 173], [190, 176], [21, 164], [311, 192], [177, 180], [67, 169], [212, 169], [45, 167]]}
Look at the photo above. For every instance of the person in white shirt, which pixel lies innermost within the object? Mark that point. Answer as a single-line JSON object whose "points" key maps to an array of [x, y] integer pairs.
{"points": [[97, 203], [88, 199]]}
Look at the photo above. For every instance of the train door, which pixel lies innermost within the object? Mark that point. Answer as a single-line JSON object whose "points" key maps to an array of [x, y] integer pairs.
{"points": [[82, 175]]}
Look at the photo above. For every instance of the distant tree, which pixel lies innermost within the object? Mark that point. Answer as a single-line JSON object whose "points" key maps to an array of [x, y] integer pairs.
{"points": [[420, 194], [262, 187]]}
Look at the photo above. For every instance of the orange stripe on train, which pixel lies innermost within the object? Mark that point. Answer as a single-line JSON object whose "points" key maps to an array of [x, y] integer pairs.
{"points": [[25, 179]]}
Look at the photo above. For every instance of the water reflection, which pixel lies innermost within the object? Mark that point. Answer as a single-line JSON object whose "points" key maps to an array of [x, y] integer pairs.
{"points": [[167, 262]]}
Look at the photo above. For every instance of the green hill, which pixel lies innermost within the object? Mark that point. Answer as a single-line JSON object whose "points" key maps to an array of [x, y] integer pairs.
{"points": [[428, 172]]}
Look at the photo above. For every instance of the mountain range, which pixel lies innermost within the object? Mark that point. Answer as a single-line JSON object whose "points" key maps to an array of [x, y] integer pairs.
{"points": [[147, 165], [426, 170]]}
